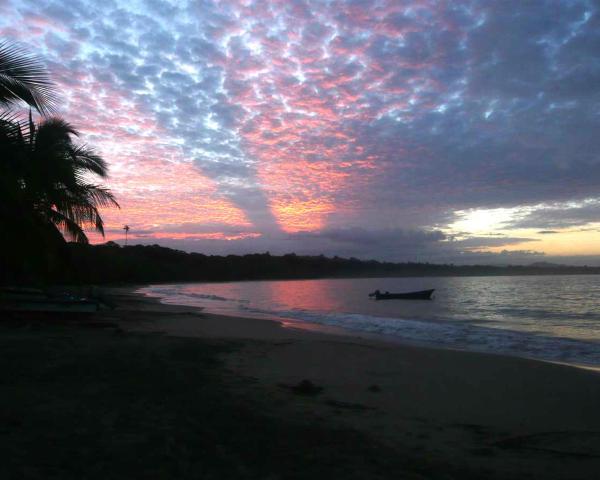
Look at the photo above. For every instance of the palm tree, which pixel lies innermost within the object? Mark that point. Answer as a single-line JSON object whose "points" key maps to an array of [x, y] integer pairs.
{"points": [[49, 178], [44, 174], [24, 77], [126, 228], [46, 189]]}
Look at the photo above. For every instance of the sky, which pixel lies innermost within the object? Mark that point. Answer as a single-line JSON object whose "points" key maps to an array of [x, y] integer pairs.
{"points": [[455, 131]]}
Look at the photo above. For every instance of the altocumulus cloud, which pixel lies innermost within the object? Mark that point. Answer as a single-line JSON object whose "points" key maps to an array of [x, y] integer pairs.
{"points": [[349, 127]]}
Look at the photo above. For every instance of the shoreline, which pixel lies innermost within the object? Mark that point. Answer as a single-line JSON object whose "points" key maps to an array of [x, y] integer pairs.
{"points": [[480, 408], [193, 390], [336, 333], [202, 324], [386, 339]]}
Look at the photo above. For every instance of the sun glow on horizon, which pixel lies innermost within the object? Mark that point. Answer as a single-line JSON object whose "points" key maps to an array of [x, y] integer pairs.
{"points": [[481, 221]]}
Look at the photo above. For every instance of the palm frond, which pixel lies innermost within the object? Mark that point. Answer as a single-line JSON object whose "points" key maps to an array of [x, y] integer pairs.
{"points": [[81, 205], [23, 77], [9, 116], [55, 131], [99, 196], [87, 160], [31, 127], [71, 229], [13, 137]]}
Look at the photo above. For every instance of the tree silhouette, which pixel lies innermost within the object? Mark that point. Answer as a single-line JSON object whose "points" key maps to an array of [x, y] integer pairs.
{"points": [[126, 228]]}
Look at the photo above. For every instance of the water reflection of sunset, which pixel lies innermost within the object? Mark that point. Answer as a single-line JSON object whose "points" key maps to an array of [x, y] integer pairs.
{"points": [[309, 293]]}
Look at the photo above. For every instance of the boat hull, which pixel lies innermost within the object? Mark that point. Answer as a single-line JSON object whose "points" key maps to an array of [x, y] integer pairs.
{"points": [[58, 306], [420, 295], [29, 300]]}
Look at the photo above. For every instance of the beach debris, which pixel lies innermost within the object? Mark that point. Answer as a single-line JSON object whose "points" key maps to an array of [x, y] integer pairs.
{"points": [[374, 389], [305, 387], [348, 405], [483, 451], [583, 444]]}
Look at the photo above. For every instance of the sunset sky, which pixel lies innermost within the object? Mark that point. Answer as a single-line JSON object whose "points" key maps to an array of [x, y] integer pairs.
{"points": [[441, 131]]}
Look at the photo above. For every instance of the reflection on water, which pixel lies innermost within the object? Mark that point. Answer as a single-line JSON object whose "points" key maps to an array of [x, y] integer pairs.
{"points": [[492, 313]]}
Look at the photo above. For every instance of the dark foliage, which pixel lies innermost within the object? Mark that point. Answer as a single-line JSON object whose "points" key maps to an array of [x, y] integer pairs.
{"points": [[110, 263]]}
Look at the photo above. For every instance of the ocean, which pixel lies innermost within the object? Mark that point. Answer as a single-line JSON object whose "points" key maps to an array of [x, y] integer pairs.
{"points": [[555, 318]]}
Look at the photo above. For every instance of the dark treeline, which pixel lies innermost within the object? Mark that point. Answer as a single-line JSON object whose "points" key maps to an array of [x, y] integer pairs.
{"points": [[110, 263]]}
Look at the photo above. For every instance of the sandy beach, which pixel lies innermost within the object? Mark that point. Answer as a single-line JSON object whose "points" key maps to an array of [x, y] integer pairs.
{"points": [[371, 409], [514, 417]]}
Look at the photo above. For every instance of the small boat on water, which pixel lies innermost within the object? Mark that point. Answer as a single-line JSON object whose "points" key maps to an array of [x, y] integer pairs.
{"points": [[420, 295]]}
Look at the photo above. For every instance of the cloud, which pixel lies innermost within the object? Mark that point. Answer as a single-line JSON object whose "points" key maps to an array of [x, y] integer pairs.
{"points": [[475, 242], [332, 120], [559, 216]]}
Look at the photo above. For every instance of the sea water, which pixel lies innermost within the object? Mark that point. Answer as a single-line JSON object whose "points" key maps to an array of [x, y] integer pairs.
{"points": [[553, 318]]}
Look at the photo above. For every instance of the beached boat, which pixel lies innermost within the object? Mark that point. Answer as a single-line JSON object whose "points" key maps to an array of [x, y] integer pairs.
{"points": [[19, 294], [420, 295], [34, 300], [51, 305]]}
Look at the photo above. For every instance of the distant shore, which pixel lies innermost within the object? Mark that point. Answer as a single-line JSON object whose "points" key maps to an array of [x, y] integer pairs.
{"points": [[111, 263], [150, 389]]}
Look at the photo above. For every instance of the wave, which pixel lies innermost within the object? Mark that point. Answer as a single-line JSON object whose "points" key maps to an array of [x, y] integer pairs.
{"points": [[168, 292], [463, 334], [459, 335]]}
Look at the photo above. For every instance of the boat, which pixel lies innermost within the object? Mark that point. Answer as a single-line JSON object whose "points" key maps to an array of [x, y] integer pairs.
{"points": [[55, 305], [30, 300], [420, 295], [18, 294]]}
